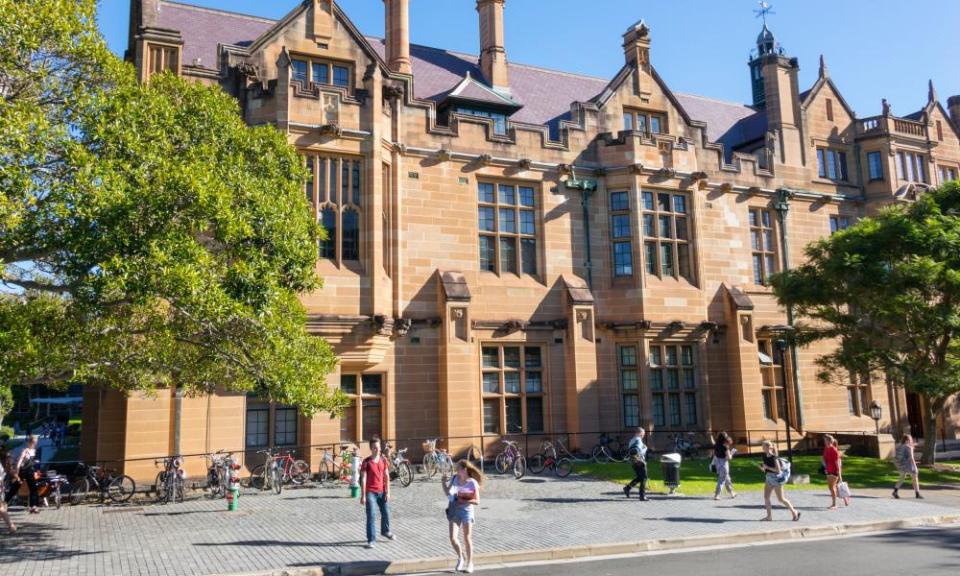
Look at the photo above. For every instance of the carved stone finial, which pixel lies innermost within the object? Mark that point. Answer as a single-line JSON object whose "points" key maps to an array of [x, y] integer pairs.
{"points": [[886, 107], [824, 71], [931, 93]]}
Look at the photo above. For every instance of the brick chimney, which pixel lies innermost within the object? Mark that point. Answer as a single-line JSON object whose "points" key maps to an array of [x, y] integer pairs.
{"points": [[953, 105], [397, 28], [493, 56]]}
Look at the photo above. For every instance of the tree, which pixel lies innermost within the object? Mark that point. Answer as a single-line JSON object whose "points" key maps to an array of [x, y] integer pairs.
{"points": [[887, 291], [148, 237]]}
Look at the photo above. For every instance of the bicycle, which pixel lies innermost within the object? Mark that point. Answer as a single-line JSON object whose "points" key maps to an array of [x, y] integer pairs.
{"points": [[95, 480], [218, 473], [51, 485], [436, 460], [688, 447], [400, 467], [269, 474], [511, 459], [547, 459], [331, 470], [608, 449], [171, 481], [295, 471]]}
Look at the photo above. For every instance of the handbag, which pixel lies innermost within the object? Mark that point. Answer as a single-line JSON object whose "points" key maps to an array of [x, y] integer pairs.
{"points": [[843, 490]]}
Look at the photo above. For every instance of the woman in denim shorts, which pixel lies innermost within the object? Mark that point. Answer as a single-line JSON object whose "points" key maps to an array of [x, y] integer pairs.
{"points": [[463, 495]]}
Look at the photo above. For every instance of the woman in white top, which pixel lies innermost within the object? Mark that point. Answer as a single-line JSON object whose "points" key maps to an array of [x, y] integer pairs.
{"points": [[463, 495], [907, 466], [23, 469]]}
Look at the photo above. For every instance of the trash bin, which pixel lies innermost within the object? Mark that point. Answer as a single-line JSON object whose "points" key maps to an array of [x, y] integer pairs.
{"points": [[670, 463]]}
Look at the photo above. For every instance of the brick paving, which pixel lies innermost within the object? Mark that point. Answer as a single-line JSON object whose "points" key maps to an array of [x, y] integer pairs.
{"points": [[318, 525]]}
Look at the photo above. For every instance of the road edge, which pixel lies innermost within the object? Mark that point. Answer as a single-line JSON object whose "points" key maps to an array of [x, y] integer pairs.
{"points": [[594, 551]]}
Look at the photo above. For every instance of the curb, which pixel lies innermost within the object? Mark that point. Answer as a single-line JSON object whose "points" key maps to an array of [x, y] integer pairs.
{"points": [[373, 568]]}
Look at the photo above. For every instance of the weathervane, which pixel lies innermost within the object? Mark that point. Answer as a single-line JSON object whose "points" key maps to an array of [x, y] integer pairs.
{"points": [[765, 9]]}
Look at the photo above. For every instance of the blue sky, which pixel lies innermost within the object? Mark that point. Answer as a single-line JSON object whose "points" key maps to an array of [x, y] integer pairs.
{"points": [[874, 48]]}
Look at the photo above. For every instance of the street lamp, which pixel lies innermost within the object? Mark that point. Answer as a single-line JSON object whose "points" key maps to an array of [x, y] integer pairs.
{"points": [[783, 332], [876, 412]]}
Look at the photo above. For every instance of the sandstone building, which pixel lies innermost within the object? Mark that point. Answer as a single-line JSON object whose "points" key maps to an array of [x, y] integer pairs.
{"points": [[515, 250]]}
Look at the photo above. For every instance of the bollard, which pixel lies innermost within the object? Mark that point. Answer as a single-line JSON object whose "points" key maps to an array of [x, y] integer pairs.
{"points": [[355, 475], [233, 499]]}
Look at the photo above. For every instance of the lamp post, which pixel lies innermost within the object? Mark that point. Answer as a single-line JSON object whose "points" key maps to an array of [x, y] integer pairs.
{"points": [[876, 412], [783, 332]]}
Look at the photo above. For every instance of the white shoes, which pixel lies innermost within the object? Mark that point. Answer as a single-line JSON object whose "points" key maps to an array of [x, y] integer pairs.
{"points": [[469, 568], [461, 562]]}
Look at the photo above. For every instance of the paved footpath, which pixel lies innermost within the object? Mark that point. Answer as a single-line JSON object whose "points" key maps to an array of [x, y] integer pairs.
{"points": [[321, 526]]}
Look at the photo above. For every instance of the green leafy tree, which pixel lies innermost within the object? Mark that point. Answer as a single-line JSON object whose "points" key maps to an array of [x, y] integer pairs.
{"points": [[887, 291], [148, 237]]}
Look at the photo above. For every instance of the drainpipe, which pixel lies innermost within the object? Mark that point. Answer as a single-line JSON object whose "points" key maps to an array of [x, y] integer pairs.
{"points": [[782, 206], [585, 202], [587, 188], [177, 413]]}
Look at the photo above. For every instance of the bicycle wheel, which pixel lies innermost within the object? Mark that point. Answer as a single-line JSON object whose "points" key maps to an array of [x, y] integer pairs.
{"points": [[429, 465], [563, 467], [599, 455], [500, 464], [160, 486], [80, 492], [299, 472], [536, 463], [57, 497], [277, 479], [405, 474], [121, 489], [257, 478], [178, 489], [326, 471], [519, 467]]}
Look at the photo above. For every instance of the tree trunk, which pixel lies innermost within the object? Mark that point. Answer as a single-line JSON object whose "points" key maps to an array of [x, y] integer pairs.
{"points": [[933, 407]]}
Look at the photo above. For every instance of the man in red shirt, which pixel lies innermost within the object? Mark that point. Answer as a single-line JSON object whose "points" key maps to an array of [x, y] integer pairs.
{"points": [[375, 491]]}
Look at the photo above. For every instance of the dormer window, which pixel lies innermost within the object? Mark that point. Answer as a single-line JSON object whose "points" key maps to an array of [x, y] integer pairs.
{"points": [[499, 120], [163, 59], [321, 72], [645, 122]]}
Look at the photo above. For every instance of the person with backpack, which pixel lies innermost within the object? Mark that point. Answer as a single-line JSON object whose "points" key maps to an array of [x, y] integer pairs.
{"points": [[723, 452], [375, 492], [463, 496], [22, 471], [637, 452], [777, 472], [907, 465]]}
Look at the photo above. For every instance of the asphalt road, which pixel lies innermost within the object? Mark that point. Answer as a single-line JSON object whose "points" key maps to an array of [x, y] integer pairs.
{"points": [[925, 551]]}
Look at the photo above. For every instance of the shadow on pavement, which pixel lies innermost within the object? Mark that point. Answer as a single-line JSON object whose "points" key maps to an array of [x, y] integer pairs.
{"points": [[284, 544], [34, 543]]}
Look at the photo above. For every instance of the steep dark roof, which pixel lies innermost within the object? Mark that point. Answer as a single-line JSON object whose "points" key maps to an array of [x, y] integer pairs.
{"points": [[203, 29], [546, 95], [728, 123], [916, 116]]}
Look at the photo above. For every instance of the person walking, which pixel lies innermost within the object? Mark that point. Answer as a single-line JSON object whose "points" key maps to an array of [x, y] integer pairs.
{"points": [[834, 469], [463, 495], [23, 469], [723, 452], [6, 464], [375, 492], [907, 465], [777, 473], [637, 451]]}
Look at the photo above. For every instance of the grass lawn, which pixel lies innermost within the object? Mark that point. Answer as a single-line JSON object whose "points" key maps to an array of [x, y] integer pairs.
{"points": [[696, 478]]}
